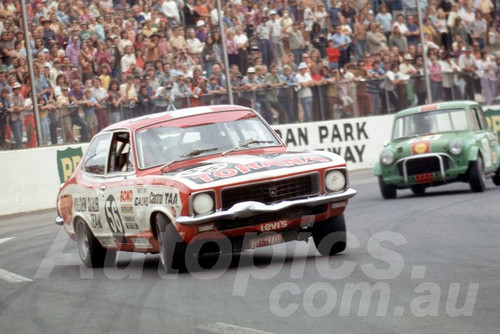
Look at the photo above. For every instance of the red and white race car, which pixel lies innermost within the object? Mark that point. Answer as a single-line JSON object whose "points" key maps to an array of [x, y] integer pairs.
{"points": [[200, 180]]}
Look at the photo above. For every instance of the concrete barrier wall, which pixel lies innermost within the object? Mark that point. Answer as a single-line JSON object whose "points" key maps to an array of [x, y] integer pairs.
{"points": [[30, 179]]}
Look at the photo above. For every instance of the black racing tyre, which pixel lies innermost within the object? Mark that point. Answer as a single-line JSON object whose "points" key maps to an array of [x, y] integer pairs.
{"points": [[418, 189], [171, 246], [92, 254], [330, 235], [388, 191], [496, 177], [476, 175]]}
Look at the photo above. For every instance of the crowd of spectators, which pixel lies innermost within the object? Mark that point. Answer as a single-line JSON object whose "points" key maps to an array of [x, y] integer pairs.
{"points": [[97, 62]]}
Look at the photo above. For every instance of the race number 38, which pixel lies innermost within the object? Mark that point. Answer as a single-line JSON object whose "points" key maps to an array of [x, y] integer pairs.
{"points": [[113, 216]]}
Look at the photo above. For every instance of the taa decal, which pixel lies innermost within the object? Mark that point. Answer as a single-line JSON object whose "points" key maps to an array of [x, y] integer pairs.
{"points": [[113, 218]]}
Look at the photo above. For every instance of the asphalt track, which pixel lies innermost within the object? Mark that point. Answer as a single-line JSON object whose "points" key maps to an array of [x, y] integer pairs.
{"points": [[426, 264]]}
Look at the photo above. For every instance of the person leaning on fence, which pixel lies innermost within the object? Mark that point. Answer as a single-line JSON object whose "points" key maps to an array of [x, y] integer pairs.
{"points": [[274, 84], [287, 94], [63, 104], [77, 99], [304, 91]]}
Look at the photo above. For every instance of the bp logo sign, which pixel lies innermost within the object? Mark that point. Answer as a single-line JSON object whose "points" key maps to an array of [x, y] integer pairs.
{"points": [[67, 160]]}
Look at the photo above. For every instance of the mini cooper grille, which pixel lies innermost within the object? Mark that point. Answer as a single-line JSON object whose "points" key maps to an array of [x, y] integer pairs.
{"points": [[423, 165], [273, 191]]}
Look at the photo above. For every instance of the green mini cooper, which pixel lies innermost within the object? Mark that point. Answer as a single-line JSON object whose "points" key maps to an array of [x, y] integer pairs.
{"points": [[437, 144]]}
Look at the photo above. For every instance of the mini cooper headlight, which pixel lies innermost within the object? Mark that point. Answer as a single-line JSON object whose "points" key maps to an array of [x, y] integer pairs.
{"points": [[335, 180], [455, 147], [387, 157], [203, 203]]}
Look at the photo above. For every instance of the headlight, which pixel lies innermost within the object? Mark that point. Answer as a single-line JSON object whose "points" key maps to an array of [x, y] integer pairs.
{"points": [[455, 147], [203, 203], [387, 157], [335, 180]]}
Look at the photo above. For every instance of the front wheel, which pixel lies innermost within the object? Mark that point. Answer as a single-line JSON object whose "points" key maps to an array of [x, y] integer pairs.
{"points": [[476, 175], [172, 247], [92, 254], [496, 177], [388, 191], [330, 235]]}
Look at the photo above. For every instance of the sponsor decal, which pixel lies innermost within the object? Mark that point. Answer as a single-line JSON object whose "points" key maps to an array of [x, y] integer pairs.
{"points": [[132, 226], [86, 204], [266, 240], [273, 226], [126, 196], [421, 147], [95, 220], [169, 198], [67, 160], [210, 173], [113, 218], [66, 207]]}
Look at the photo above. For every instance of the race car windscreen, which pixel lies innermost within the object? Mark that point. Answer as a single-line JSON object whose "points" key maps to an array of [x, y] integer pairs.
{"points": [[171, 141], [425, 123]]}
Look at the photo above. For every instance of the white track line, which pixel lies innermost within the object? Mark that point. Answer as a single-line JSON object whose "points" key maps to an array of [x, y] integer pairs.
{"points": [[5, 239], [223, 328], [7, 275], [12, 278]]}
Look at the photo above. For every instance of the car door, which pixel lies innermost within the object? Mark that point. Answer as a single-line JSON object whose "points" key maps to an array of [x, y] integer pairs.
{"points": [[487, 140], [116, 190]]}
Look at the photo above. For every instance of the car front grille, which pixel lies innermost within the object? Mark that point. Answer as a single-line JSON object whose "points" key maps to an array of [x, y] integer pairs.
{"points": [[428, 164], [272, 191]]}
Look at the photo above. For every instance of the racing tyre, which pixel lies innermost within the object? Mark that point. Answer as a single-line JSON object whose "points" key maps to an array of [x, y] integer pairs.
{"points": [[330, 236], [476, 175], [91, 252], [388, 191], [172, 247], [496, 177], [418, 189]]}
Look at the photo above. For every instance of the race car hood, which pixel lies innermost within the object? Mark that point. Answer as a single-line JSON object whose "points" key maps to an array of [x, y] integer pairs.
{"points": [[433, 143], [239, 168]]}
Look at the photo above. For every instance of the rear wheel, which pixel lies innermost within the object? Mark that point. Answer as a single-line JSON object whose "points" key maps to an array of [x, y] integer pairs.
{"points": [[330, 235], [388, 191], [172, 247], [418, 189], [476, 175], [91, 252]]}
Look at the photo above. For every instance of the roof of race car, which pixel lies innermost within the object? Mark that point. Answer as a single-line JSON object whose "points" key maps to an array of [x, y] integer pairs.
{"points": [[435, 106], [138, 122]]}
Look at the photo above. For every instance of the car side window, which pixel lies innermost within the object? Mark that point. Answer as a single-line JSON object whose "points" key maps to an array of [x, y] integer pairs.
{"points": [[480, 118], [97, 153], [120, 159]]}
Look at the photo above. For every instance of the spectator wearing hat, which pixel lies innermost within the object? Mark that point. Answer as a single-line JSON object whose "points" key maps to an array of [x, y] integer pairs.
{"points": [[48, 33], [16, 104], [304, 92], [201, 31]]}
